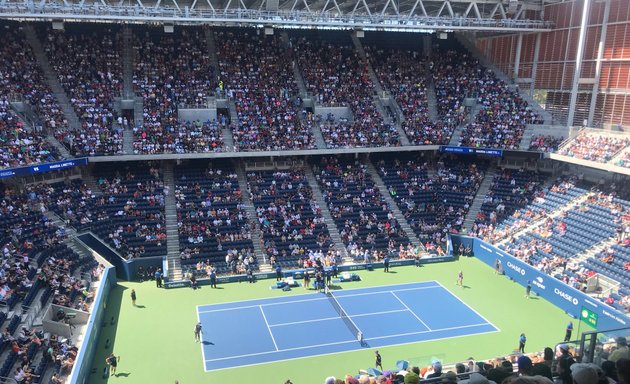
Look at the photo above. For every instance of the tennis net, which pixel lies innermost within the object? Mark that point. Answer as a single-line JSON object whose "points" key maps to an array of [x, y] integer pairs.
{"points": [[344, 316]]}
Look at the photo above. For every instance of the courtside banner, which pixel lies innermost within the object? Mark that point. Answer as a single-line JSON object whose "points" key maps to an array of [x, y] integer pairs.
{"points": [[549, 288]]}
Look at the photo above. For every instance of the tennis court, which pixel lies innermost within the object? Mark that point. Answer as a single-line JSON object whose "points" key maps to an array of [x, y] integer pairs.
{"points": [[252, 332]]}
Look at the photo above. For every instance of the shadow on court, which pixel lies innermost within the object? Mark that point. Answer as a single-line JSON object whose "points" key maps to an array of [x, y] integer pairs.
{"points": [[205, 342]]}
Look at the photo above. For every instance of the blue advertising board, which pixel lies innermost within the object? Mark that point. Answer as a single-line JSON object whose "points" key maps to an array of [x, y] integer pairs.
{"points": [[472, 151], [39, 168], [549, 288]]}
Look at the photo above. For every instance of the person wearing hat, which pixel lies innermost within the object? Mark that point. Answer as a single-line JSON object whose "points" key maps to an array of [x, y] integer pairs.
{"points": [[521, 343], [524, 365], [569, 332], [621, 351], [378, 363], [330, 380], [584, 374], [563, 368], [437, 370]]}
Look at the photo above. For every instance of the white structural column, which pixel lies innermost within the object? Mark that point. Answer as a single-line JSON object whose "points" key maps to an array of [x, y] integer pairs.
{"points": [[578, 62], [532, 86], [598, 65], [517, 56]]}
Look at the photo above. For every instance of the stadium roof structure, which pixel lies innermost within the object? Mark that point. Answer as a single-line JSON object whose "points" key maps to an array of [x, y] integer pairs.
{"points": [[507, 16]]}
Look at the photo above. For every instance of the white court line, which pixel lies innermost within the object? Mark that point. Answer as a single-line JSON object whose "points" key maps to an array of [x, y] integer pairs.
{"points": [[350, 341], [311, 295], [284, 350], [379, 313], [429, 331], [258, 305], [269, 329], [337, 318], [203, 351], [469, 307], [306, 321], [316, 299], [412, 312]]}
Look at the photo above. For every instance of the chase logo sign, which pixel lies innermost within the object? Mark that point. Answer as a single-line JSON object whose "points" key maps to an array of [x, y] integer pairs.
{"points": [[566, 296], [516, 268]]}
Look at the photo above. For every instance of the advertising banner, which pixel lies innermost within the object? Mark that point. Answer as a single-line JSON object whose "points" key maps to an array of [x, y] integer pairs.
{"points": [[551, 289]]}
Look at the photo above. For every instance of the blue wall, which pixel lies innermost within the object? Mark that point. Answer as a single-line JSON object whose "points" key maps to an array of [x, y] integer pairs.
{"points": [[553, 290], [83, 364]]}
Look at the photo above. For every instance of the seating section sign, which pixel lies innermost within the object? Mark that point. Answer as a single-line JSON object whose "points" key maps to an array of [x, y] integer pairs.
{"points": [[39, 168], [598, 315]]}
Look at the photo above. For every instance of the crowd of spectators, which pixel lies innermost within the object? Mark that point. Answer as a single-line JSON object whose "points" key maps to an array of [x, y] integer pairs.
{"points": [[127, 209], [433, 206], [212, 220], [134, 201], [510, 191], [362, 215], [255, 70], [610, 364], [594, 147], [405, 75], [88, 66], [19, 145], [503, 115], [34, 258], [545, 143], [338, 77], [174, 71], [289, 218], [22, 80], [450, 76], [624, 160]]}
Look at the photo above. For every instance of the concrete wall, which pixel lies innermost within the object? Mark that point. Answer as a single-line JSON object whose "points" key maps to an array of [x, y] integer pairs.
{"points": [[194, 114], [338, 112]]}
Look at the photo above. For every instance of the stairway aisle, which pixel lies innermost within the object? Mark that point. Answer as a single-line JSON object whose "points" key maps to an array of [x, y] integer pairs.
{"points": [[475, 207], [333, 230], [404, 140], [432, 100], [470, 46], [391, 203], [128, 91], [172, 232], [51, 78], [252, 218]]}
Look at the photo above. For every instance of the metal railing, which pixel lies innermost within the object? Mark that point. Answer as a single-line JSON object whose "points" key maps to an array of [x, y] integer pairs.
{"points": [[592, 342], [287, 18]]}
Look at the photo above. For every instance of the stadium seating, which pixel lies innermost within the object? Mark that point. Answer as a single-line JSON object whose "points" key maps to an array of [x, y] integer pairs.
{"points": [[256, 73], [360, 212], [545, 143], [594, 147], [213, 227], [433, 206], [404, 74], [290, 220], [88, 64], [336, 76], [544, 202], [510, 191], [22, 80], [174, 71]]}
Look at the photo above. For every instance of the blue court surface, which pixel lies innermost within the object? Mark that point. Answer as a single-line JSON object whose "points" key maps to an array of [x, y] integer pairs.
{"points": [[262, 331]]}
